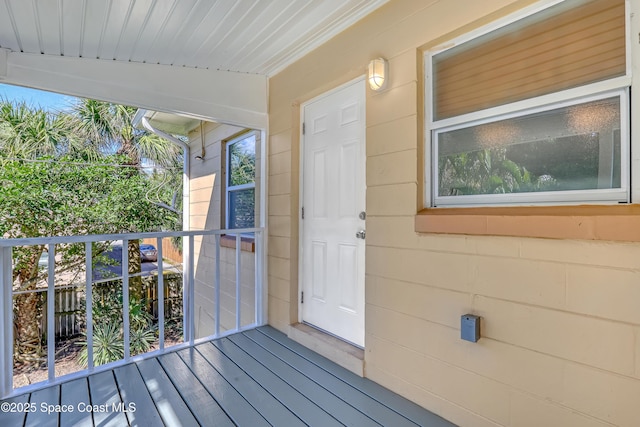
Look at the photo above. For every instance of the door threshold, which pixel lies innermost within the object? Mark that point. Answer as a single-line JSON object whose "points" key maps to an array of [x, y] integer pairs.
{"points": [[345, 354], [331, 334]]}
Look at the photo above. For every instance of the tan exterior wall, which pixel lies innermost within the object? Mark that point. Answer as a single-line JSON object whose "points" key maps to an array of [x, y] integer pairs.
{"points": [[206, 214], [561, 318]]}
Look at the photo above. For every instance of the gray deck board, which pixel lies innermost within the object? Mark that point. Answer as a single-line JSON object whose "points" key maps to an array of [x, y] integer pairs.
{"points": [[172, 409], [269, 407], [341, 389], [11, 416], [39, 418], [238, 409], [254, 378], [134, 392], [71, 395], [104, 392], [386, 397], [308, 411], [203, 406], [324, 398]]}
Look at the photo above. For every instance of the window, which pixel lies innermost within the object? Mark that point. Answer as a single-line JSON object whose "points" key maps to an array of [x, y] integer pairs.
{"points": [[536, 111], [240, 182]]}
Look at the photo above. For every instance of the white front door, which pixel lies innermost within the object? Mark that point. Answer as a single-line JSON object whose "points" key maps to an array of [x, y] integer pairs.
{"points": [[333, 202]]}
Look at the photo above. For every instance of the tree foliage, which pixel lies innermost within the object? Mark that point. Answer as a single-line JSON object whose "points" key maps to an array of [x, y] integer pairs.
{"points": [[75, 173]]}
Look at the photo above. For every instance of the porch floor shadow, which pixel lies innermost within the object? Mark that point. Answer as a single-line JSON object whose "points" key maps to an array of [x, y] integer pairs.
{"points": [[253, 378]]}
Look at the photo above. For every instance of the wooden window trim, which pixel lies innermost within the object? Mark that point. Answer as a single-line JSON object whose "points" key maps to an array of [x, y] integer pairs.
{"points": [[586, 222], [247, 244]]}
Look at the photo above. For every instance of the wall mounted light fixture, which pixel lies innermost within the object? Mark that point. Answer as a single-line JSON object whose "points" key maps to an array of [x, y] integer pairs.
{"points": [[378, 73]]}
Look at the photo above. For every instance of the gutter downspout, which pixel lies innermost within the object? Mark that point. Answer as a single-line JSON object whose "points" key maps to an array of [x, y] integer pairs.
{"points": [[141, 119], [186, 211], [188, 321]]}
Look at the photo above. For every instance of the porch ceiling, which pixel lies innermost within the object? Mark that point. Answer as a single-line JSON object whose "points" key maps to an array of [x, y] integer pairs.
{"points": [[200, 58], [244, 36]]}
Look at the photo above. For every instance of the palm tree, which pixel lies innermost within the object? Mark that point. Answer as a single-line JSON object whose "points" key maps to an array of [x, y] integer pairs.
{"points": [[109, 127], [92, 130], [28, 133]]}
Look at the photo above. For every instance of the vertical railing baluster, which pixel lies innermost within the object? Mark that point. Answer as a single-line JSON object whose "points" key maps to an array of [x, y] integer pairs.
{"points": [[160, 294], [6, 321], [185, 288], [192, 290], [238, 274], [125, 298], [258, 277], [264, 297], [51, 312], [88, 266], [217, 286]]}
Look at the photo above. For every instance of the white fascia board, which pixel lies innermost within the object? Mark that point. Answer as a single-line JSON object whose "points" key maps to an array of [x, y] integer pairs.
{"points": [[227, 97], [4, 57]]}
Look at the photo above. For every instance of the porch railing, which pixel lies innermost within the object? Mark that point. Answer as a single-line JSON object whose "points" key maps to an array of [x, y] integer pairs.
{"points": [[7, 293]]}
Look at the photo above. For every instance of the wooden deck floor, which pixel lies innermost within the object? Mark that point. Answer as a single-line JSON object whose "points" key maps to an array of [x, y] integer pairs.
{"points": [[254, 378]]}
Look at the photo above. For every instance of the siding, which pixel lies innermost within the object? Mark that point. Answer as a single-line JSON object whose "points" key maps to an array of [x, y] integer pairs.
{"points": [[207, 213], [560, 319]]}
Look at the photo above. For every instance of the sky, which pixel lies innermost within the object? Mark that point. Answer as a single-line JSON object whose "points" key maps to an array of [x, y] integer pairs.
{"points": [[36, 98]]}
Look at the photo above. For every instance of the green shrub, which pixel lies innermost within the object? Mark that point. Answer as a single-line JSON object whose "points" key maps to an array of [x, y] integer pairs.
{"points": [[108, 345]]}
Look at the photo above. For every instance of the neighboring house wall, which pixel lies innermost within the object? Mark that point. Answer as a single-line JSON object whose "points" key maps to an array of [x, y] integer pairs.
{"points": [[206, 185], [561, 320], [169, 251]]}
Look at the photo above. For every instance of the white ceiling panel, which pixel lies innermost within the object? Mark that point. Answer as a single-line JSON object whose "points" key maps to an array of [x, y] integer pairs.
{"points": [[137, 17], [7, 32], [71, 18], [95, 16], [246, 36], [48, 29], [23, 20]]}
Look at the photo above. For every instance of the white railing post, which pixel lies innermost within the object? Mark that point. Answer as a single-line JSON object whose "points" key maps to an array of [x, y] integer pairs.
{"points": [[259, 298], [51, 312], [6, 321], [126, 322], [192, 291], [88, 265], [160, 294], [238, 278], [186, 255], [217, 286]]}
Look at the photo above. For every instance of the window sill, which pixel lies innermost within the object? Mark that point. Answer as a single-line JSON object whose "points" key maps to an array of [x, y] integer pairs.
{"points": [[247, 244], [588, 222]]}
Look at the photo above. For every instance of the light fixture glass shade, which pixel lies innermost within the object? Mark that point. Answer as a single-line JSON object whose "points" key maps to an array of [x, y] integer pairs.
{"points": [[378, 70]]}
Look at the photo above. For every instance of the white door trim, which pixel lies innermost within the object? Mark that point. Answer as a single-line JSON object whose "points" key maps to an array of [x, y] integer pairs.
{"points": [[303, 105]]}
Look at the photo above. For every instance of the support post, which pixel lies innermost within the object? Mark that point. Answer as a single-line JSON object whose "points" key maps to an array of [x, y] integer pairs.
{"points": [[88, 253], [238, 278], [217, 286], [160, 294], [6, 321], [192, 291], [126, 322], [51, 313]]}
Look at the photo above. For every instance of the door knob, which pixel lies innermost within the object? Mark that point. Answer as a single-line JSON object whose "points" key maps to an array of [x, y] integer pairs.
{"points": [[362, 215], [360, 234]]}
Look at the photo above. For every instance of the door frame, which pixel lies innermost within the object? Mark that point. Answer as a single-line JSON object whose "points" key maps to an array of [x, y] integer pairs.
{"points": [[359, 79]]}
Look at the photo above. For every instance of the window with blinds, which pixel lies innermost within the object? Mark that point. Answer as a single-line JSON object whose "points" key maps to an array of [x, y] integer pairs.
{"points": [[555, 145], [565, 46]]}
